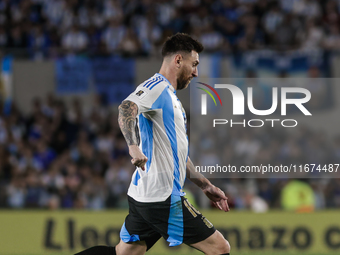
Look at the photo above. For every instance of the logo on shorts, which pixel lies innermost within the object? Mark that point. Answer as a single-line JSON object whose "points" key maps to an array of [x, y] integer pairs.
{"points": [[207, 222]]}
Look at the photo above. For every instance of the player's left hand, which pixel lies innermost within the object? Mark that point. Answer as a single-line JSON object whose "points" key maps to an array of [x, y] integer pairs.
{"points": [[217, 196]]}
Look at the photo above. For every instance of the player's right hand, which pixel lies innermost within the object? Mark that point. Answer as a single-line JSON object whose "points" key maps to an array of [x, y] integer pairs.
{"points": [[138, 158]]}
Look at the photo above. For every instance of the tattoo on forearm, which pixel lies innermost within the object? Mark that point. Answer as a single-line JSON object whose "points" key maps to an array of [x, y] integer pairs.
{"points": [[126, 119]]}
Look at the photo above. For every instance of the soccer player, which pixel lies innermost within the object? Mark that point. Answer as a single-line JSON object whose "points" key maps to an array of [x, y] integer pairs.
{"points": [[153, 123]]}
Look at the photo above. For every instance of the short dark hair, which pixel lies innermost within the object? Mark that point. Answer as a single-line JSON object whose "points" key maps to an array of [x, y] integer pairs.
{"points": [[181, 42]]}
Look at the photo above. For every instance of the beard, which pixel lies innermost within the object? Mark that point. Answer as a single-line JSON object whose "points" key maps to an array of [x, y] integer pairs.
{"points": [[183, 81]]}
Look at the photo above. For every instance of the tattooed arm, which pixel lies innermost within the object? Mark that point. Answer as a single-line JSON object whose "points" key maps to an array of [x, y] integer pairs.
{"points": [[127, 122]]}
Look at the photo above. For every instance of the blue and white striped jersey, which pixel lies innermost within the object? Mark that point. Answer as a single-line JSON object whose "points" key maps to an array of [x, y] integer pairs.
{"points": [[163, 140]]}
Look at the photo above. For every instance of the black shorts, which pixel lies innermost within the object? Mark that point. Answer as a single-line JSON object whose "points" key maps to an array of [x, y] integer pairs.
{"points": [[175, 219]]}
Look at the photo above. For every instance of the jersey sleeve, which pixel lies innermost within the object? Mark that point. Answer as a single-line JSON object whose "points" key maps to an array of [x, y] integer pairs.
{"points": [[145, 97]]}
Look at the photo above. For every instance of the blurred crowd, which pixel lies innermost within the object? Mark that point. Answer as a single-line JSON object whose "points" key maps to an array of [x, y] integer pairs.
{"points": [[63, 157], [74, 156], [49, 28], [275, 147]]}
